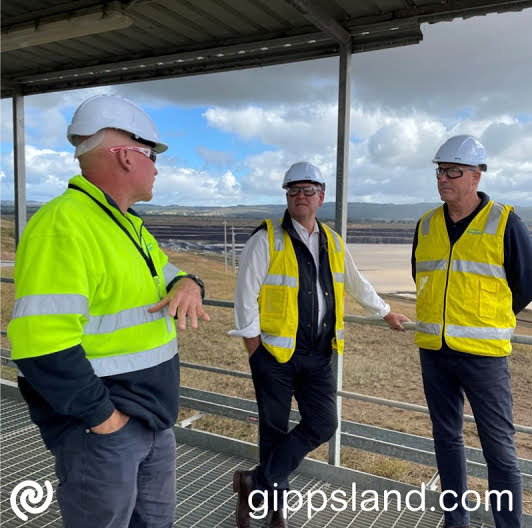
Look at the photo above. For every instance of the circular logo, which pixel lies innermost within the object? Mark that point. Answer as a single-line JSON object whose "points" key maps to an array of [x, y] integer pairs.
{"points": [[31, 493]]}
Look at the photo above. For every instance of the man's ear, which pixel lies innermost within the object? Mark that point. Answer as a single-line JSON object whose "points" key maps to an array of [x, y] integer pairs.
{"points": [[125, 159]]}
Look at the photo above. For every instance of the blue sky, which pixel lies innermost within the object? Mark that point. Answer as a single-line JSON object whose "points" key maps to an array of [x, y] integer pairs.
{"points": [[232, 135]]}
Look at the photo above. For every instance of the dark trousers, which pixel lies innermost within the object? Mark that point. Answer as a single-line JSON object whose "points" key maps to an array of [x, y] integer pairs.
{"points": [[447, 375], [125, 479], [308, 377]]}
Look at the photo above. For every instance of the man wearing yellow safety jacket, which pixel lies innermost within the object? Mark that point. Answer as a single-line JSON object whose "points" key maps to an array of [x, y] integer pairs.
{"points": [[472, 263], [289, 308], [93, 332]]}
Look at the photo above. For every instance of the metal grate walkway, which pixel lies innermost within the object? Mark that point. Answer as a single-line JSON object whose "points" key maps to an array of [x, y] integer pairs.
{"points": [[204, 487]]}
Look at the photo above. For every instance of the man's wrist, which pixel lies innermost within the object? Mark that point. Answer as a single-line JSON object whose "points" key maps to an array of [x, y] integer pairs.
{"points": [[195, 278]]}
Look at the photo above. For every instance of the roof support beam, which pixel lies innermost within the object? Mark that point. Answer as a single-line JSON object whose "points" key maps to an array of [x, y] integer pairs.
{"points": [[19, 149], [321, 19], [342, 172]]}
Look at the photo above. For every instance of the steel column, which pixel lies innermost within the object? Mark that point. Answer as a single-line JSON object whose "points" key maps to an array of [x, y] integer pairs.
{"points": [[342, 172], [19, 166]]}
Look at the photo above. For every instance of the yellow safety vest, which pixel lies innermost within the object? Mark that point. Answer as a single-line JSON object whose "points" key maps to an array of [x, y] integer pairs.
{"points": [[278, 295], [462, 293]]}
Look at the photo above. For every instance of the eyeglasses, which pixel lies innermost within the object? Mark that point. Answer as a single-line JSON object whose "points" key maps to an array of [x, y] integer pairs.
{"points": [[148, 152], [308, 190], [452, 172]]}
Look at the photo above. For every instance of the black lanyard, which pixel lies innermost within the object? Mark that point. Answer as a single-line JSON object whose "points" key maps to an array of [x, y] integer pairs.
{"points": [[147, 258]]}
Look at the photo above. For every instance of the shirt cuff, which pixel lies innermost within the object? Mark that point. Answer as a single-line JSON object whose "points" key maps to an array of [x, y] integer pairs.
{"points": [[383, 312], [252, 330]]}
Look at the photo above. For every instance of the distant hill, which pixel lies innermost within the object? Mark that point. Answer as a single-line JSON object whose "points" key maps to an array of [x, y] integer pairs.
{"points": [[357, 211]]}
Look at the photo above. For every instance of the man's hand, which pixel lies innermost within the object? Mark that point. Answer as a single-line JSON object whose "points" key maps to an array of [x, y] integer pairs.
{"points": [[394, 321], [251, 343], [185, 295], [116, 421]]}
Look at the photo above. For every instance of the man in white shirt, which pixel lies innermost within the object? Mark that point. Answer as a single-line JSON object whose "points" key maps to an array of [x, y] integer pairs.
{"points": [[289, 309]]}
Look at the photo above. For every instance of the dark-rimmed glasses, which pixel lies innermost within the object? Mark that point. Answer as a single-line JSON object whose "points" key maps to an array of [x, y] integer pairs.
{"points": [[307, 190], [148, 152], [452, 172]]}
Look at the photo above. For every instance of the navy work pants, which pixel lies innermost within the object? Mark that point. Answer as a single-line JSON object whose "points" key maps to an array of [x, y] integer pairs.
{"points": [[447, 375], [310, 378], [125, 479]]}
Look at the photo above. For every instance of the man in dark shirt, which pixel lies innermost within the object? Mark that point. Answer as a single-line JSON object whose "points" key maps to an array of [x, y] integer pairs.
{"points": [[472, 262]]}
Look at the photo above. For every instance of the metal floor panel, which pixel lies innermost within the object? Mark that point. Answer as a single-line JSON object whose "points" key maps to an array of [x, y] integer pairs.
{"points": [[205, 497]]}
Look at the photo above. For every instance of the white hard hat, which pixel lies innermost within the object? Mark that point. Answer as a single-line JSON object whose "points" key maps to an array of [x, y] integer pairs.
{"points": [[465, 150], [303, 171], [113, 111]]}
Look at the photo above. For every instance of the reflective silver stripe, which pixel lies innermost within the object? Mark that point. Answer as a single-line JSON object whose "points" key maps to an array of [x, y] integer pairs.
{"points": [[426, 223], [281, 342], [109, 366], [480, 268], [428, 328], [170, 271], [340, 334], [479, 332], [278, 238], [108, 323], [339, 276], [281, 280], [494, 217], [53, 304], [431, 265], [337, 240]]}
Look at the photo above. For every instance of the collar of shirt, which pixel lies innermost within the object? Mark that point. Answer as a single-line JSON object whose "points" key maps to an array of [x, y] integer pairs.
{"points": [[302, 231]]}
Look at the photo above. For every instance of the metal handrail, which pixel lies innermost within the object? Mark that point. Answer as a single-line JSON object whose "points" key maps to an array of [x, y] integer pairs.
{"points": [[5, 359]]}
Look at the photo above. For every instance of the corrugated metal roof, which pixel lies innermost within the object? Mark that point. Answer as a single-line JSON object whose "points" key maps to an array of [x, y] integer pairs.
{"points": [[50, 45]]}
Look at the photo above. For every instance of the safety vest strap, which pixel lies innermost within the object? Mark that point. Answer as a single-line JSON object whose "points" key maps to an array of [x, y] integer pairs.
{"points": [[431, 265], [277, 341], [281, 280], [278, 237], [51, 304], [339, 276], [112, 365], [472, 332], [480, 268], [106, 324], [170, 272]]}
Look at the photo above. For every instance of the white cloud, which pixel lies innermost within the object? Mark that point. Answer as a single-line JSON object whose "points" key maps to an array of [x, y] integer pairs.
{"points": [[405, 103], [187, 186]]}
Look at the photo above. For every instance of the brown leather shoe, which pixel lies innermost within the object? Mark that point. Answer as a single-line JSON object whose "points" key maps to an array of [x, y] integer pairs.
{"points": [[243, 485], [276, 519]]}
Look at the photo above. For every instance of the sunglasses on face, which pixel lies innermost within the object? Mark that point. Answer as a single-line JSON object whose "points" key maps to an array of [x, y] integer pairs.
{"points": [[148, 152], [307, 190], [452, 172]]}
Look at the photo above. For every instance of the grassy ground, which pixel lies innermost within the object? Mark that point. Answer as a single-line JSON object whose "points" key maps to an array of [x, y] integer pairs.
{"points": [[377, 362]]}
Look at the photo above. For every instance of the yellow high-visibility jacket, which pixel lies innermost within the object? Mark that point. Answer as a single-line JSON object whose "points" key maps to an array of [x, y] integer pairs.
{"points": [[462, 293], [76, 289]]}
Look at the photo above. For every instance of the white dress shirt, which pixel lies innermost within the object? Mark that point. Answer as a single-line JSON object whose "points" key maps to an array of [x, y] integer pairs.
{"points": [[253, 269]]}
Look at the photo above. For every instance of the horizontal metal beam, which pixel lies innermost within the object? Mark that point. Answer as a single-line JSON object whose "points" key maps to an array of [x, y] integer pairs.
{"points": [[322, 19], [200, 55]]}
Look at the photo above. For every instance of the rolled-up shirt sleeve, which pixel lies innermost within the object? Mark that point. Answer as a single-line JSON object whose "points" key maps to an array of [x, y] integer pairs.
{"points": [[253, 268], [361, 289]]}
